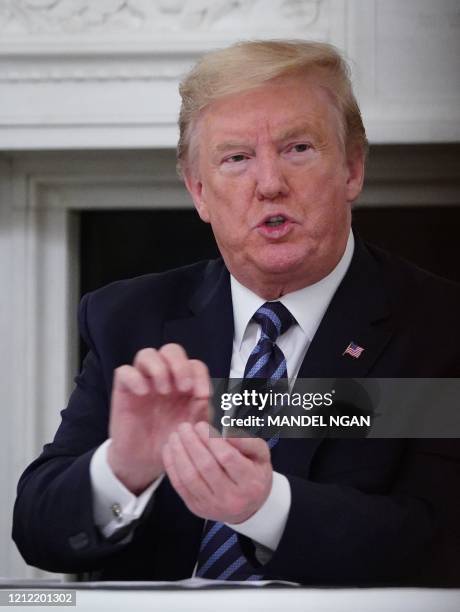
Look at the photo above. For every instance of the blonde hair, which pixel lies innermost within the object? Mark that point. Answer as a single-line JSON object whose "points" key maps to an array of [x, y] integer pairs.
{"points": [[247, 65]]}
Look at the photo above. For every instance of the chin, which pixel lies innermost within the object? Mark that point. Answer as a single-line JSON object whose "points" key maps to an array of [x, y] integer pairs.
{"points": [[286, 262]]}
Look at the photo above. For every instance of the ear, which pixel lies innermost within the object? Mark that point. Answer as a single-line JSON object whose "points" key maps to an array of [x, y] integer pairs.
{"points": [[195, 189], [355, 167]]}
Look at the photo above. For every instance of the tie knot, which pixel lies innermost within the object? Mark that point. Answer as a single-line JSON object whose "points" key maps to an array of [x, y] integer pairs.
{"points": [[274, 319]]}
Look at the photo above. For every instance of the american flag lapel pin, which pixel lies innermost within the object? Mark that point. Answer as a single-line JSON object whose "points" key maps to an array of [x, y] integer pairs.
{"points": [[354, 350]]}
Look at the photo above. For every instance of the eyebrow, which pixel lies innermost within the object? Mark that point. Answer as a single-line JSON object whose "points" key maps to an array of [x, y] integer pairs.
{"points": [[229, 144], [298, 130], [293, 132]]}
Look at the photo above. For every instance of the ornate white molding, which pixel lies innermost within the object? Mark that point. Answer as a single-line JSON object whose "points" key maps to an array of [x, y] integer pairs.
{"points": [[43, 17], [118, 67], [128, 40]]}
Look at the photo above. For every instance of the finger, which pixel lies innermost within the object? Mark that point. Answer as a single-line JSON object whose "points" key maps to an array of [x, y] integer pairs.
{"points": [[152, 365], [179, 367], [202, 458], [188, 475], [206, 430], [229, 458], [202, 382], [200, 410], [201, 407], [170, 469], [127, 379], [253, 448]]}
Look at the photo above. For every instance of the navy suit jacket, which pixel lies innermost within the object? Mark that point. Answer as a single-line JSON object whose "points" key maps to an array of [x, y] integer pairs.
{"points": [[363, 511]]}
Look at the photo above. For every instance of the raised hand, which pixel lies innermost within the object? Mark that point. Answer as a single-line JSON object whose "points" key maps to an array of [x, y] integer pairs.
{"points": [[150, 399]]}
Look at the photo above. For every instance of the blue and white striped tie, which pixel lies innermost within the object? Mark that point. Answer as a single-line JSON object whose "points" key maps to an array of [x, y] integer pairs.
{"points": [[221, 556]]}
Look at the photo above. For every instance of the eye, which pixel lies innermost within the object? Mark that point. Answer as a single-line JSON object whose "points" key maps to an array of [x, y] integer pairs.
{"points": [[300, 147], [234, 159]]}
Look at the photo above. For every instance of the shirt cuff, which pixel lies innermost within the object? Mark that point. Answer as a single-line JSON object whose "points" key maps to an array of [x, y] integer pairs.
{"points": [[114, 506], [267, 525]]}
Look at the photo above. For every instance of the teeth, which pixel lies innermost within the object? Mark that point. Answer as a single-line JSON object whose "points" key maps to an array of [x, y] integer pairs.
{"points": [[278, 220]]}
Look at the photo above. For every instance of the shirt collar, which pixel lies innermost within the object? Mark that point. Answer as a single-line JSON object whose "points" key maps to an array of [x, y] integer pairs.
{"points": [[307, 305]]}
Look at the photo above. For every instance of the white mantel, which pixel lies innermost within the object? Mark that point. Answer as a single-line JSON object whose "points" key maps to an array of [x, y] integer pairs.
{"points": [[104, 73]]}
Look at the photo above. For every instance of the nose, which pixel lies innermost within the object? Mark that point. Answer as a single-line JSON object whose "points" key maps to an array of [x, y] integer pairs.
{"points": [[270, 180]]}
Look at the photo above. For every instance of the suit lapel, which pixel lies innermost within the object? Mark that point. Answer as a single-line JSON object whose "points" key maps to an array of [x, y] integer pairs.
{"points": [[205, 327], [359, 312]]}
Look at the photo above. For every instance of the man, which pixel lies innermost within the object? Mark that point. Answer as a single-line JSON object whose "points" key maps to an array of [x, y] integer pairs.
{"points": [[272, 151]]}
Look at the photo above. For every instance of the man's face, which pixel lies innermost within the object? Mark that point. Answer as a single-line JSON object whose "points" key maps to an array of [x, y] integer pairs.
{"points": [[272, 178]]}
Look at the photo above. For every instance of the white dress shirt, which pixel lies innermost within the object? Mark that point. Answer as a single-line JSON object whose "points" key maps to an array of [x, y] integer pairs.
{"points": [[115, 506]]}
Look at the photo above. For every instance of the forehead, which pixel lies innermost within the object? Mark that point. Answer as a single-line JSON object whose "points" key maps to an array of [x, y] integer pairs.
{"points": [[276, 108]]}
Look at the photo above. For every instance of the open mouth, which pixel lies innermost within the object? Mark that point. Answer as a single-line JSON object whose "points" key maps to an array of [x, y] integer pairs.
{"points": [[276, 227], [274, 221]]}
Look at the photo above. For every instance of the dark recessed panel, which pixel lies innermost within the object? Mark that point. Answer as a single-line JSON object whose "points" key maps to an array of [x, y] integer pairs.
{"points": [[427, 236], [123, 244]]}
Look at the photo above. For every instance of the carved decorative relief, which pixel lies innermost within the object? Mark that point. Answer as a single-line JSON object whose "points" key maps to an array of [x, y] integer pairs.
{"points": [[95, 70], [41, 17]]}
